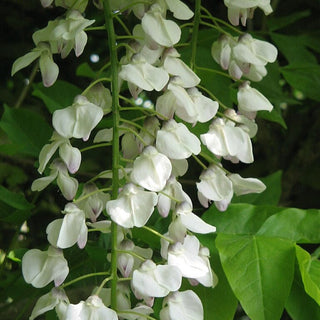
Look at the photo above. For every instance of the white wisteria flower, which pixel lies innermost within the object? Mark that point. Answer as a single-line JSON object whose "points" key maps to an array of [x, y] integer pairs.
{"points": [[185, 256], [133, 207], [176, 67], [127, 262], [63, 35], [48, 302], [251, 100], [179, 9], [78, 120], [244, 55], [176, 141], [41, 267], [152, 280], [48, 68], [214, 184], [181, 306], [66, 184], [144, 75], [164, 32], [170, 196], [71, 156], [246, 185], [92, 308], [79, 5], [64, 233], [190, 221], [226, 140], [94, 201], [243, 9], [151, 169]]}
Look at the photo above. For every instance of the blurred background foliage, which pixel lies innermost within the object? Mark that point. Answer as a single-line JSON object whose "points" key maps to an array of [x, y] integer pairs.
{"points": [[287, 141]]}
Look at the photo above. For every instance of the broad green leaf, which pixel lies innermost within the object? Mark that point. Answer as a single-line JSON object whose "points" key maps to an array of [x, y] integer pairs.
{"points": [[58, 96], [27, 130], [219, 303], [14, 200], [239, 218], [259, 271], [14, 208], [304, 77], [270, 196], [270, 87], [298, 225], [294, 51], [310, 273], [84, 70], [300, 305], [275, 23]]}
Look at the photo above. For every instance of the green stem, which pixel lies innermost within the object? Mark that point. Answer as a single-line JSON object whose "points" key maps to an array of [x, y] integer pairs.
{"points": [[92, 84], [132, 254], [136, 134], [141, 315], [95, 28], [91, 194], [212, 96], [158, 234], [195, 31], [214, 26], [200, 162], [100, 145], [123, 25], [134, 124], [103, 284], [133, 3], [28, 86], [89, 275], [217, 72], [115, 143]]}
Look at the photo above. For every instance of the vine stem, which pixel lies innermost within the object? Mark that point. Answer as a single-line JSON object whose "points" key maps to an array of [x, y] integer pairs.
{"points": [[28, 86], [195, 31], [112, 44]]}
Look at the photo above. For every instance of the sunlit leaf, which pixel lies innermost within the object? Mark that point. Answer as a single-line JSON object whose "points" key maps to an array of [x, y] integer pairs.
{"points": [[310, 273], [260, 272], [298, 225]]}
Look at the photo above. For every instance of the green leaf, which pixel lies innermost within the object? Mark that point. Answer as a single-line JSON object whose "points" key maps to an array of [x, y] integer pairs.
{"points": [[270, 196], [27, 130], [240, 218], [14, 208], [300, 305], [259, 271], [84, 70], [275, 23], [14, 200], [304, 77], [298, 225], [58, 96], [310, 273], [294, 51], [219, 303]]}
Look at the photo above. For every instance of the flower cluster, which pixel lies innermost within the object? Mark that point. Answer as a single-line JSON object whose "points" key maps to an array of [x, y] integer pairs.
{"points": [[156, 154]]}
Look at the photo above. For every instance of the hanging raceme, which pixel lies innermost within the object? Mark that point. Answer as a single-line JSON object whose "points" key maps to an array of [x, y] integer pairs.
{"points": [[150, 154]]}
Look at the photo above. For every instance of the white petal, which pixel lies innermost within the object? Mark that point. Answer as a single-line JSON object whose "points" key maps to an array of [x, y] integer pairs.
{"points": [[71, 156], [24, 61], [165, 32], [49, 69], [246, 185], [176, 141], [179, 9], [151, 170], [251, 100], [175, 66]]}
